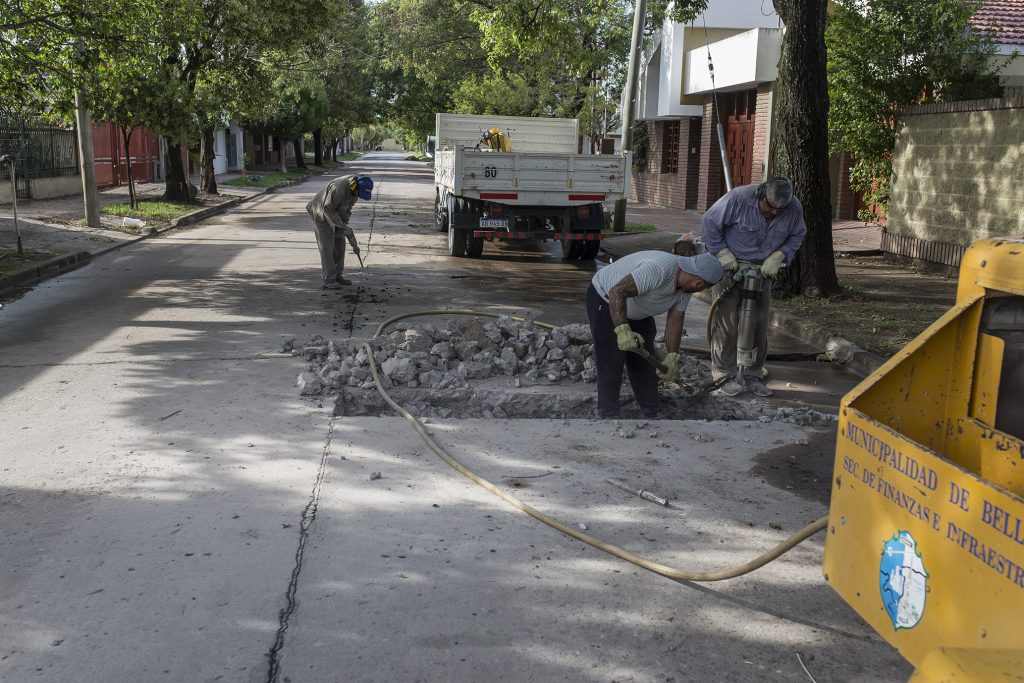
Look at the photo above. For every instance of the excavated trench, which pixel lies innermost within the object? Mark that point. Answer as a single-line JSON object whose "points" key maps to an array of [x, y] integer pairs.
{"points": [[551, 403], [507, 369]]}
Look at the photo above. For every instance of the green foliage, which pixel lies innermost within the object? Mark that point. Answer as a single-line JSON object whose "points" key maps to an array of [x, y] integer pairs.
{"points": [[149, 209], [508, 57], [640, 146], [494, 94], [886, 54]]}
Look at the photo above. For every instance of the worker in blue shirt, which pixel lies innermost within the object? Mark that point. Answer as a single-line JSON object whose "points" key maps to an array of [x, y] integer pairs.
{"points": [[761, 224]]}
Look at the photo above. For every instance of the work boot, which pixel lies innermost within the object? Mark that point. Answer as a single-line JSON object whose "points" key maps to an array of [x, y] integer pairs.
{"points": [[758, 388], [332, 285], [730, 388], [343, 281]]}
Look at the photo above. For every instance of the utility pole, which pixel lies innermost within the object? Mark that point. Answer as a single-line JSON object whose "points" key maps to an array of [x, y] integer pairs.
{"points": [[639, 17], [87, 161]]}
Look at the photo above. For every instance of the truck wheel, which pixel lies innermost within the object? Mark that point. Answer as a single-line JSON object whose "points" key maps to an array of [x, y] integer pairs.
{"points": [[572, 250], [474, 246], [456, 242], [440, 214], [590, 249]]}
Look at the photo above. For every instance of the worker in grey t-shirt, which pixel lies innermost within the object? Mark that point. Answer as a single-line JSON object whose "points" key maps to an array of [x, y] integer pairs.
{"points": [[622, 300]]}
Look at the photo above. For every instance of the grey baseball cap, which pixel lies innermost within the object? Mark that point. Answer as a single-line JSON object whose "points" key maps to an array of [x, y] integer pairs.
{"points": [[705, 266]]}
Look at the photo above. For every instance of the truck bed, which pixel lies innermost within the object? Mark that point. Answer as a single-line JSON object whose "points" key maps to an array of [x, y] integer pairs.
{"points": [[532, 178]]}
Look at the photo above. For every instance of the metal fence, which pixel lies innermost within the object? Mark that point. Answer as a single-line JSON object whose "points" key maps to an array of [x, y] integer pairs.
{"points": [[40, 149]]}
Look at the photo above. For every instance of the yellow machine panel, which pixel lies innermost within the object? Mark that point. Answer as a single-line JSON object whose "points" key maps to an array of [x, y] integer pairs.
{"points": [[926, 524]]}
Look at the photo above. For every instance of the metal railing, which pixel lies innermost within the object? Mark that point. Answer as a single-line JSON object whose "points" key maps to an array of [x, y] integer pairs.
{"points": [[42, 150]]}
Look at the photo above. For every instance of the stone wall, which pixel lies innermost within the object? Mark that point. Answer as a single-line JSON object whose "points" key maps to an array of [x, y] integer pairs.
{"points": [[44, 188], [958, 171]]}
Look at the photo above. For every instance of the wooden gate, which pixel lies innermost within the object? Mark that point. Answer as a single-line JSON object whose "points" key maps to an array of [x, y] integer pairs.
{"points": [[739, 113]]}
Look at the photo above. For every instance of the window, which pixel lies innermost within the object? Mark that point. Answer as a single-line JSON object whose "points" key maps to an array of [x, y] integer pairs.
{"points": [[670, 148]]}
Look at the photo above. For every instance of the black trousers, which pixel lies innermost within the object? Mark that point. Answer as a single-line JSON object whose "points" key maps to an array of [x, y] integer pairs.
{"points": [[610, 361]]}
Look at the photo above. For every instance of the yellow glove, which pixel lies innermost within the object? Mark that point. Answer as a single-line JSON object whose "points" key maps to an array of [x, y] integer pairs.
{"points": [[627, 339], [728, 260], [671, 363], [771, 265]]}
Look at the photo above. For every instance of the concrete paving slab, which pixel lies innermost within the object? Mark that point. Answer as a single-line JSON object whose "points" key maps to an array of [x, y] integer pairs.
{"points": [[421, 575]]}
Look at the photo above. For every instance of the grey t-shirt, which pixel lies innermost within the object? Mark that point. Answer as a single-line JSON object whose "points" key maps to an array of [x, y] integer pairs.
{"points": [[654, 273]]}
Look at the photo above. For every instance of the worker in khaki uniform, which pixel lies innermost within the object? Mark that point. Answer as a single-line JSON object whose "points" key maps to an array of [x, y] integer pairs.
{"points": [[761, 224], [622, 300], [330, 209]]}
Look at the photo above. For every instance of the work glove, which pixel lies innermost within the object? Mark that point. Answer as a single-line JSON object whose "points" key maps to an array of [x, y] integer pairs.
{"points": [[627, 339], [728, 260], [771, 265], [355, 248], [671, 363]]}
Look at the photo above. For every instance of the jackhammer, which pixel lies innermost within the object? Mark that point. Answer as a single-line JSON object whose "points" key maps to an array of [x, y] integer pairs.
{"points": [[750, 282], [748, 275]]}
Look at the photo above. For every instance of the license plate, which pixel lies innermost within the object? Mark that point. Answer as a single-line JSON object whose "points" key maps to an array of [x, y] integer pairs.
{"points": [[501, 223]]}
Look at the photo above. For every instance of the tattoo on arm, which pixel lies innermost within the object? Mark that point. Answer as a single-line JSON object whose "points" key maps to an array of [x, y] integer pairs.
{"points": [[617, 296]]}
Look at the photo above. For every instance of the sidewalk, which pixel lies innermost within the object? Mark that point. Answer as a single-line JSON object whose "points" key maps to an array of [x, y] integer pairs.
{"points": [[46, 226]]}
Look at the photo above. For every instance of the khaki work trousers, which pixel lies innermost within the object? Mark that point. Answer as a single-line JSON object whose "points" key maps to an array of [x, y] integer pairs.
{"points": [[724, 332], [331, 243]]}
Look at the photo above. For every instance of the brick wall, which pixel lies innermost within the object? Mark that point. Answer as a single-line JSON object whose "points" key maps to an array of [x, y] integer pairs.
{"points": [[761, 125], [957, 176], [709, 172], [679, 188]]}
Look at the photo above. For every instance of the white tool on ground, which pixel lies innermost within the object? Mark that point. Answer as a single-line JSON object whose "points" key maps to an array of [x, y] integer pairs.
{"points": [[643, 493]]}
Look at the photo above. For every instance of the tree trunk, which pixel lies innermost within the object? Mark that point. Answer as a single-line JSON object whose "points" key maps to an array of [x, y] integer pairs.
{"points": [[300, 153], [176, 183], [126, 134], [282, 154], [799, 143], [334, 149], [208, 177], [318, 147]]}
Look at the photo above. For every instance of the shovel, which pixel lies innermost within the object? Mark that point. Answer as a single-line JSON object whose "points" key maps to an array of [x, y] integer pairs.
{"points": [[643, 353]]}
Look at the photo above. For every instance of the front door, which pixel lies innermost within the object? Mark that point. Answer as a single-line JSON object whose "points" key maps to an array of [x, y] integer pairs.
{"points": [[739, 113]]}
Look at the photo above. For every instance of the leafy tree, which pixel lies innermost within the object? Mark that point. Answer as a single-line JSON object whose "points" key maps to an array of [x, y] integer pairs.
{"points": [[886, 54]]}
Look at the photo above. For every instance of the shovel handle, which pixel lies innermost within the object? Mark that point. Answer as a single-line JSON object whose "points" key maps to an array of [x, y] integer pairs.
{"points": [[643, 353]]}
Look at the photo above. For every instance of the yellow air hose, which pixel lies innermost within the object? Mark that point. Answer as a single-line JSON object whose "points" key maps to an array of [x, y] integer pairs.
{"points": [[656, 567]]}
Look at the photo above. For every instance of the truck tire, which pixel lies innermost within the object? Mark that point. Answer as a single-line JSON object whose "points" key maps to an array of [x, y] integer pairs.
{"points": [[572, 250], [474, 246], [456, 242], [590, 249], [440, 214]]}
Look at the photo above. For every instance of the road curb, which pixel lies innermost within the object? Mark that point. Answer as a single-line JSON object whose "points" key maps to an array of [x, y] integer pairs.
{"points": [[47, 269], [860, 361], [68, 262]]}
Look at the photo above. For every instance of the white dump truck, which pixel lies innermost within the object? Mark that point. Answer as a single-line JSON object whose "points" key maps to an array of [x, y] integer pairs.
{"points": [[518, 178]]}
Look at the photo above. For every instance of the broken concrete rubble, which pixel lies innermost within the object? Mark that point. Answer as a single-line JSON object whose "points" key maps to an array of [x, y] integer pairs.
{"points": [[532, 372]]}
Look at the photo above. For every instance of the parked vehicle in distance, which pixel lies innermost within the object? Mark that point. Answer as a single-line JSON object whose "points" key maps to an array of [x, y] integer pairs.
{"points": [[516, 178]]}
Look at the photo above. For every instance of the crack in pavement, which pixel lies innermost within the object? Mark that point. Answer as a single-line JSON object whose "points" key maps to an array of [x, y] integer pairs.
{"points": [[307, 519]]}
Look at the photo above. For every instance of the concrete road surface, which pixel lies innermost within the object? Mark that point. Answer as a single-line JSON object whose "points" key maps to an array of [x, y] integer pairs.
{"points": [[171, 508]]}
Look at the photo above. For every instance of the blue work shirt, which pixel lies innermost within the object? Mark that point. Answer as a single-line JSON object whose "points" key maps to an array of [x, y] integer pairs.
{"points": [[735, 221]]}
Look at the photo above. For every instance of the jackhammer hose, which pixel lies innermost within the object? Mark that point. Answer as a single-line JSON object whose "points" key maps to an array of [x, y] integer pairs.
{"points": [[658, 568]]}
